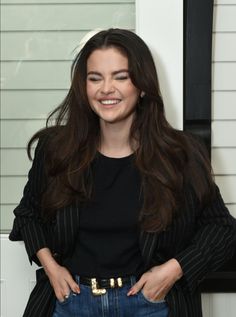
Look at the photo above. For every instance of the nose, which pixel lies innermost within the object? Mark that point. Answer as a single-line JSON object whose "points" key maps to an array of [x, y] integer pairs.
{"points": [[107, 86]]}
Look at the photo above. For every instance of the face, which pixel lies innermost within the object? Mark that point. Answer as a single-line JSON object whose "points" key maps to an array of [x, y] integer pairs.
{"points": [[111, 94]]}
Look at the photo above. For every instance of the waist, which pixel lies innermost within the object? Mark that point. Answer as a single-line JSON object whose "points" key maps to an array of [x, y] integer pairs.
{"points": [[99, 285]]}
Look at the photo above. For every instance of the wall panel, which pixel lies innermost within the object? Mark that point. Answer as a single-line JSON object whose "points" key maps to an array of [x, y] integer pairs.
{"points": [[224, 2], [224, 105], [12, 189], [47, 2], [223, 133], [224, 47], [224, 124], [36, 46], [218, 305], [14, 162], [227, 185], [66, 17], [224, 161], [36, 75], [224, 75], [17, 286], [30, 104], [160, 24], [232, 209], [16, 133], [224, 18]]}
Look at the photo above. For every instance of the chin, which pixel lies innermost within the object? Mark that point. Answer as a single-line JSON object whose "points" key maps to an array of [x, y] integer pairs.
{"points": [[110, 120]]}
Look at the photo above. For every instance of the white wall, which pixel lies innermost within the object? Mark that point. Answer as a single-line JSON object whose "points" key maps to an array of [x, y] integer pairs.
{"points": [[17, 278], [160, 24], [224, 100], [224, 128]]}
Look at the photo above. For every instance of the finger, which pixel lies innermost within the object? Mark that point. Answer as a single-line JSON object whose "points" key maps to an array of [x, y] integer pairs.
{"points": [[137, 286], [60, 296], [73, 285], [153, 295], [65, 291], [159, 296]]}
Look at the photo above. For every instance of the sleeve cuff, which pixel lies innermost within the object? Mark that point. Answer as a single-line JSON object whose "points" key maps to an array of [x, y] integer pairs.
{"points": [[34, 239], [193, 266]]}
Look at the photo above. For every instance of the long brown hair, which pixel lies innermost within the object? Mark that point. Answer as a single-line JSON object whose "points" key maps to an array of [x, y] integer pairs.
{"points": [[168, 159]]}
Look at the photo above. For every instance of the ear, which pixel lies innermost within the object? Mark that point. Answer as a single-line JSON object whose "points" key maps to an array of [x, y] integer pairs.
{"points": [[142, 94]]}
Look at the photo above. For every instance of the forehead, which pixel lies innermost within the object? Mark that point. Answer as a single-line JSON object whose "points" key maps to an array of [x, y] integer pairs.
{"points": [[107, 58]]}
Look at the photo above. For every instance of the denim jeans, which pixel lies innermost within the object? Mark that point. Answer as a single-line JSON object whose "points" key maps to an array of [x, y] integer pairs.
{"points": [[115, 303]]}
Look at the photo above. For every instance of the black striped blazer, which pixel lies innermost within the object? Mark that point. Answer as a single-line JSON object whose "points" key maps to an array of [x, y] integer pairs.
{"points": [[201, 240]]}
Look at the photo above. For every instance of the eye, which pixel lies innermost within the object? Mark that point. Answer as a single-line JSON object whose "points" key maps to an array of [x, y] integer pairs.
{"points": [[93, 78], [123, 77]]}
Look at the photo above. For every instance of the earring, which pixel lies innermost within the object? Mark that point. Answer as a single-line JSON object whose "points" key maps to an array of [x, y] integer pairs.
{"points": [[142, 94]]}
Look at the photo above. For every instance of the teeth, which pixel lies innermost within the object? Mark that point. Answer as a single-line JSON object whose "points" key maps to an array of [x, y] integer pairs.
{"points": [[110, 102]]}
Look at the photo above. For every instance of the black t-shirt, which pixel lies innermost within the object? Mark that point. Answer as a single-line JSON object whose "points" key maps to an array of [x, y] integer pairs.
{"points": [[108, 237]]}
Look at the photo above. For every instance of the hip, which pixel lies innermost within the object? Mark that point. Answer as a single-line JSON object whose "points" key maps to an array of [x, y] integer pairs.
{"points": [[113, 302]]}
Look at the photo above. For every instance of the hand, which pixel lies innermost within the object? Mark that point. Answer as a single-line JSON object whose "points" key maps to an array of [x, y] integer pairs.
{"points": [[157, 282], [62, 282], [60, 278]]}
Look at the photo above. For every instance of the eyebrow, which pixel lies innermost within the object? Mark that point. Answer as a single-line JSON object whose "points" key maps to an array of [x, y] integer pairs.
{"points": [[113, 73]]}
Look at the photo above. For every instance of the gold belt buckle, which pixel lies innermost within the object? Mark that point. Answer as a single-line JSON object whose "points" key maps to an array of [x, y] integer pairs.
{"points": [[119, 282], [95, 290], [112, 282]]}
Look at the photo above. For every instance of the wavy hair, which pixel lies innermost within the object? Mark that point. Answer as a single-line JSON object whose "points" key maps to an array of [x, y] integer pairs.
{"points": [[167, 159]]}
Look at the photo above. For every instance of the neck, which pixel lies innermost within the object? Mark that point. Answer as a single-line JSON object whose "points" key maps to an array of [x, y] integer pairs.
{"points": [[115, 140]]}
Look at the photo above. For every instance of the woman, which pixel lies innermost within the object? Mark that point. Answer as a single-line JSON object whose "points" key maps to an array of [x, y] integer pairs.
{"points": [[120, 209]]}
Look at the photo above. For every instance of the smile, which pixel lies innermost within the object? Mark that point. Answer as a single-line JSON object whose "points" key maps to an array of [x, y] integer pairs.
{"points": [[110, 101]]}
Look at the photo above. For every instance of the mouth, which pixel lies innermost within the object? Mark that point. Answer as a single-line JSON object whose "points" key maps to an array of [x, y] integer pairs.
{"points": [[109, 102]]}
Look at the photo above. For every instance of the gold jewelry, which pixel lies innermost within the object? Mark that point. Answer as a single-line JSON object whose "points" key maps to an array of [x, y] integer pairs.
{"points": [[95, 290], [112, 282], [119, 282]]}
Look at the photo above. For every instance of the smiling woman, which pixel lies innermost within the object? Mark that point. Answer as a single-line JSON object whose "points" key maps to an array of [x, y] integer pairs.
{"points": [[111, 94], [120, 209]]}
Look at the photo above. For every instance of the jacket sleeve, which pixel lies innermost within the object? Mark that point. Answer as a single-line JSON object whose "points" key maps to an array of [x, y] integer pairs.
{"points": [[213, 244], [28, 224]]}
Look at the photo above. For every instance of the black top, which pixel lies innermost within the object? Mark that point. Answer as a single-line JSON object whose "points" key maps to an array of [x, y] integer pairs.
{"points": [[108, 238]]}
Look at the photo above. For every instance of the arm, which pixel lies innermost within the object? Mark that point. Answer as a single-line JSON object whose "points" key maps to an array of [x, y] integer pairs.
{"points": [[213, 244], [28, 225], [60, 278]]}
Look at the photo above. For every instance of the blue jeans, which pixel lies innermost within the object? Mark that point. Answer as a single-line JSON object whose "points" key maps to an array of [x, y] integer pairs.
{"points": [[115, 303]]}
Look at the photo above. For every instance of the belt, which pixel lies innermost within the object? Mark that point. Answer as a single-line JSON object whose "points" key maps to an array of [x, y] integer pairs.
{"points": [[99, 285]]}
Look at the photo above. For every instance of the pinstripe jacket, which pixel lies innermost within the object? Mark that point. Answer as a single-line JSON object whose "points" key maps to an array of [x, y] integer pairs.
{"points": [[201, 241]]}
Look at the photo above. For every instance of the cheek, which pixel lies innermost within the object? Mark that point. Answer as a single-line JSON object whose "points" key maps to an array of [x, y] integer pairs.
{"points": [[90, 89], [134, 95], [132, 91]]}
